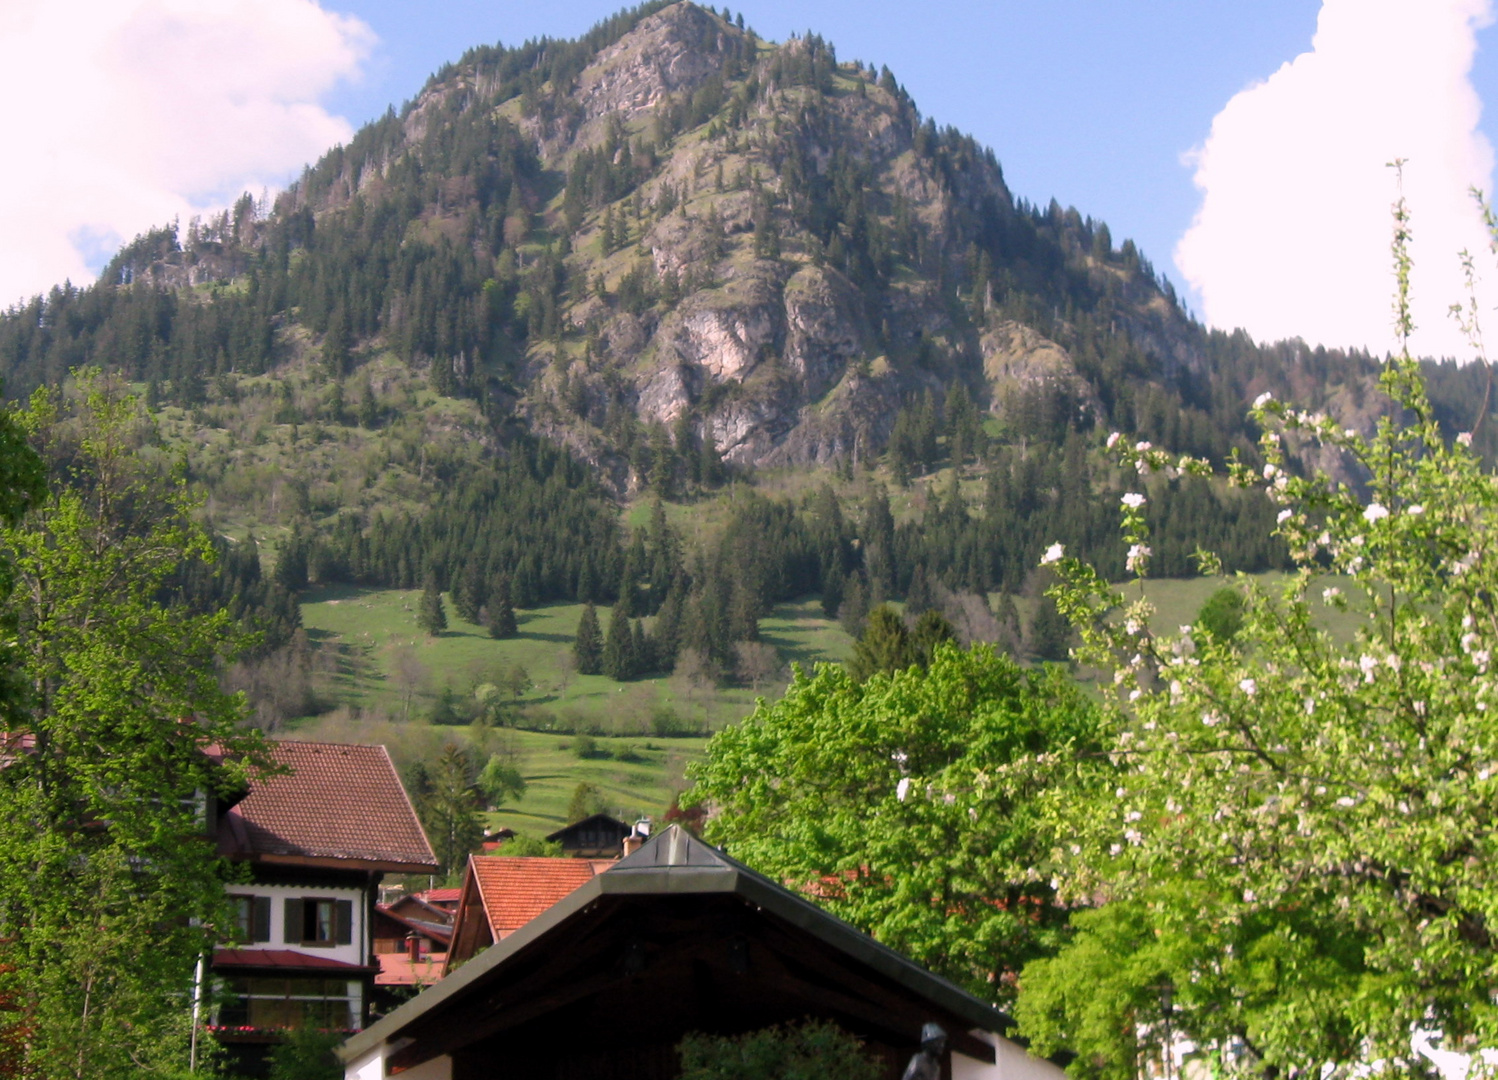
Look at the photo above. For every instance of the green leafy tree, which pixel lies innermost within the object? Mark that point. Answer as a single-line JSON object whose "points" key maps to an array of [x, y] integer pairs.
{"points": [[1222, 615], [431, 615], [1336, 792], [500, 781], [586, 801], [307, 1054], [587, 646], [111, 695], [914, 805]]}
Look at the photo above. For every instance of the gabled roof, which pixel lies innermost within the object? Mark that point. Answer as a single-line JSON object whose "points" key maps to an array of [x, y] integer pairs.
{"points": [[673, 864], [597, 822], [503, 893], [338, 805]]}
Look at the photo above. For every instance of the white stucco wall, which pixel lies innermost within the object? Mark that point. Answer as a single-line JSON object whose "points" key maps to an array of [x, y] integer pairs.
{"points": [[371, 1066], [1011, 1062], [353, 953]]}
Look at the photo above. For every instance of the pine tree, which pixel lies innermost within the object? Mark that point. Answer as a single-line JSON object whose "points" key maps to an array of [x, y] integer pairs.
{"points": [[468, 593], [501, 612], [919, 598], [884, 646], [431, 616], [640, 650], [587, 647], [618, 647]]}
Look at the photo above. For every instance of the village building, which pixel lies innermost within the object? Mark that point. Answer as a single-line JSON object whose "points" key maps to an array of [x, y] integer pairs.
{"points": [[316, 839], [500, 894], [597, 837], [673, 939]]}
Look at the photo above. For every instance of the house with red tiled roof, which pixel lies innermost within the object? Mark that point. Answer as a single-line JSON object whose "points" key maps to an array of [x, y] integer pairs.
{"points": [[502, 893], [316, 837]]}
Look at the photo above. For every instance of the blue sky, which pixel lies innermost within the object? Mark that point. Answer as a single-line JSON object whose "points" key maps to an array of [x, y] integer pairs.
{"points": [[1242, 146]]}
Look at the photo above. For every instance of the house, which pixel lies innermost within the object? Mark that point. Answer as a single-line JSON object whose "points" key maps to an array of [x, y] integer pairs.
{"points": [[315, 841], [596, 837], [501, 894], [409, 951], [673, 939]]}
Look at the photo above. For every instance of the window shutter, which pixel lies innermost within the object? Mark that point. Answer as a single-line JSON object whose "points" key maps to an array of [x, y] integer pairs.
{"points": [[260, 920], [293, 928], [343, 922]]}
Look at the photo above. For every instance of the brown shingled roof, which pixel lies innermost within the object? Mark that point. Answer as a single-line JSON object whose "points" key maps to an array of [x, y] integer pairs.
{"points": [[339, 805]]}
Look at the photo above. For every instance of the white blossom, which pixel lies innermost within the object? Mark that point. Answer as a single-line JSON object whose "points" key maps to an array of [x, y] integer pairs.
{"points": [[1053, 554], [1284, 516], [1133, 500], [902, 789], [1465, 438], [1270, 471], [1248, 686], [1135, 560], [1375, 512], [1113, 440], [1416, 510], [1330, 594], [1131, 626], [1142, 445], [1211, 719], [1263, 399]]}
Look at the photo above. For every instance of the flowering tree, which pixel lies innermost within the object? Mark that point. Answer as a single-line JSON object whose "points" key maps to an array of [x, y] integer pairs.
{"points": [[1301, 850]]}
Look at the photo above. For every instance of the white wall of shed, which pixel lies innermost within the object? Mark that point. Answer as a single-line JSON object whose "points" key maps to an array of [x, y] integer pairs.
{"points": [[1011, 1062]]}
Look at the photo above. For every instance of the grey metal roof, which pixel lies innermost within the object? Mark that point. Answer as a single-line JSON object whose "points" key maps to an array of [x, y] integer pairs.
{"points": [[676, 862]]}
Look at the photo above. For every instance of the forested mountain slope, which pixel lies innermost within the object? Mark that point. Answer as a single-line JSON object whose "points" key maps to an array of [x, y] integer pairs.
{"points": [[687, 255]]}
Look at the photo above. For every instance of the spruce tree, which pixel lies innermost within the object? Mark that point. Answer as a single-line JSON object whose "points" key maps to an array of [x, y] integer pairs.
{"points": [[501, 612], [468, 592], [640, 650], [431, 616], [618, 647], [587, 647], [884, 646]]}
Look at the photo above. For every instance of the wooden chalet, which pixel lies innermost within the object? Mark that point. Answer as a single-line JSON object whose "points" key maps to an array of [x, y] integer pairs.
{"points": [[675, 938], [316, 839], [596, 837]]}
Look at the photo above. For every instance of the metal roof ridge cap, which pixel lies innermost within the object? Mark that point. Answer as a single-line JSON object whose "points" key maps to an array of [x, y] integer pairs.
{"points": [[450, 986]]}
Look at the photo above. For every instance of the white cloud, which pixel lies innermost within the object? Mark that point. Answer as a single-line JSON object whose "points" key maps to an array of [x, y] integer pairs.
{"points": [[1292, 235], [122, 114]]}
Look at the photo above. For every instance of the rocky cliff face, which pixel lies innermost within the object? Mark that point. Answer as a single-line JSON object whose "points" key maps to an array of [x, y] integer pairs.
{"points": [[780, 351]]}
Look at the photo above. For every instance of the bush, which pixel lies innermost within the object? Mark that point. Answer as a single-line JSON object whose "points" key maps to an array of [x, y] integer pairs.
{"points": [[810, 1050]]}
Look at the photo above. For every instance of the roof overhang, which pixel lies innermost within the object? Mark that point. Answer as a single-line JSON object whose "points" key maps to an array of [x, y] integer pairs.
{"points": [[674, 863]]}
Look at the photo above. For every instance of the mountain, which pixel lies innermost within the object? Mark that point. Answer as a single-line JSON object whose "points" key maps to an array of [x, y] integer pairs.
{"points": [[685, 254]]}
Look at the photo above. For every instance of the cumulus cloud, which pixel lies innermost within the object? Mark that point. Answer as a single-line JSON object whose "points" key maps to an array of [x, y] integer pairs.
{"points": [[1292, 235], [122, 114]]}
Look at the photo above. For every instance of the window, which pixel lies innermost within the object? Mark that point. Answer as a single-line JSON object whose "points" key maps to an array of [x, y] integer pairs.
{"points": [[281, 1003], [316, 921], [251, 918]]}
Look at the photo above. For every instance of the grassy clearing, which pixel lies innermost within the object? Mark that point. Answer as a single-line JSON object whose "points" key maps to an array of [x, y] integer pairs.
{"points": [[388, 667], [391, 675]]}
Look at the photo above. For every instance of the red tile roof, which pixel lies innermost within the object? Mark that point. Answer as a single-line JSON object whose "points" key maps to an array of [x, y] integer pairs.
{"points": [[441, 896], [339, 805], [279, 958], [398, 969], [516, 889]]}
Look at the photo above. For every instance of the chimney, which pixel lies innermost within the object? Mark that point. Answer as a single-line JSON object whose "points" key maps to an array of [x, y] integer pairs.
{"points": [[413, 946], [632, 843]]}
